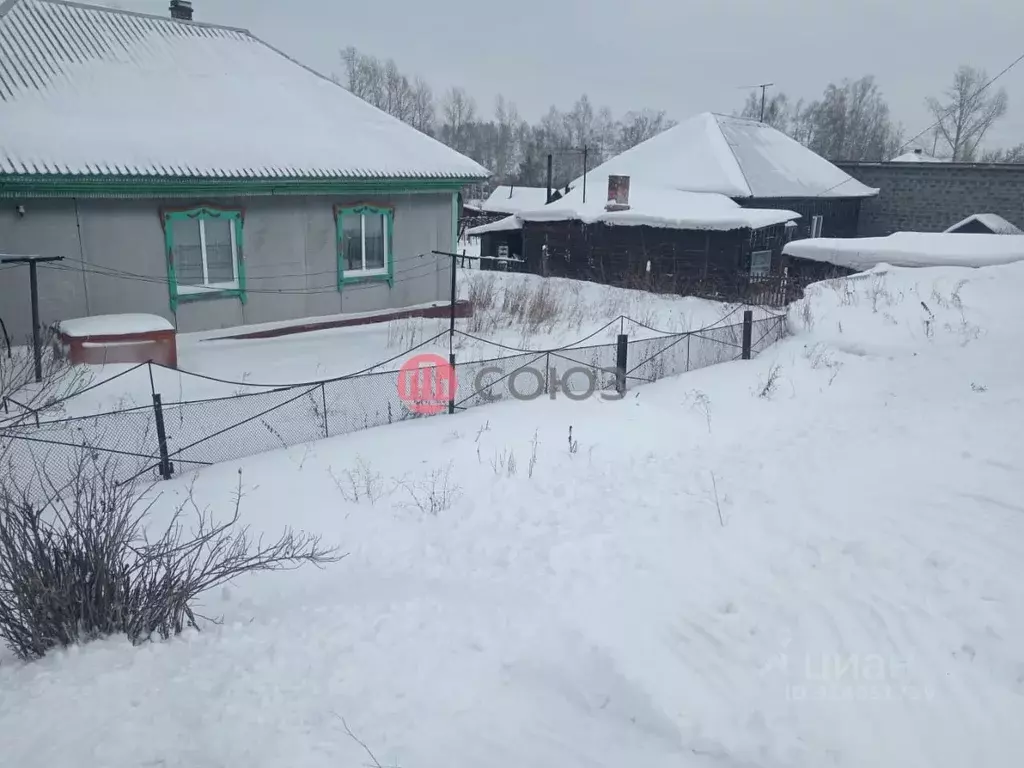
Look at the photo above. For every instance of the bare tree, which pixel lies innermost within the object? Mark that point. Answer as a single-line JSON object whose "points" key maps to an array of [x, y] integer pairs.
{"points": [[850, 122], [458, 113], [1011, 155], [777, 111], [967, 112], [637, 127], [381, 84]]}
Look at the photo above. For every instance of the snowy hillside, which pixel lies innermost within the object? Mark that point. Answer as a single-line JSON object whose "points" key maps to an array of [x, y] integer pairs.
{"points": [[812, 558]]}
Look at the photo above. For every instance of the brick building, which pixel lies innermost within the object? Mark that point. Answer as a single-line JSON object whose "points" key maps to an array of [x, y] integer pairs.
{"points": [[931, 197]]}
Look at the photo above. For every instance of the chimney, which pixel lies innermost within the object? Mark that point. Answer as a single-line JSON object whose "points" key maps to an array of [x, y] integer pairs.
{"points": [[181, 10], [918, 152], [618, 193]]}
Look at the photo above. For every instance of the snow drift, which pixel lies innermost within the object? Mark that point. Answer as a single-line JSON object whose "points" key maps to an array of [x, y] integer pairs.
{"points": [[812, 558]]}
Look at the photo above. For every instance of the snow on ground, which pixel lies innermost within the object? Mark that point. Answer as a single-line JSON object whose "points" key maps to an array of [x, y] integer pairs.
{"points": [[911, 249], [514, 310], [812, 558]]}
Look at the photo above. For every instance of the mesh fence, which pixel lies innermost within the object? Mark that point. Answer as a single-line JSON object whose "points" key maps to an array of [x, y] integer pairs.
{"points": [[209, 431]]}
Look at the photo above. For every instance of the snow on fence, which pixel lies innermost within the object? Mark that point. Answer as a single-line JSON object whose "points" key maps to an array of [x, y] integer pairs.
{"points": [[170, 438]]}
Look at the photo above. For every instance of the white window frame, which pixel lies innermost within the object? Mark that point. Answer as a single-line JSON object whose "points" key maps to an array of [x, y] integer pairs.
{"points": [[816, 225], [233, 285], [375, 271], [768, 271]]}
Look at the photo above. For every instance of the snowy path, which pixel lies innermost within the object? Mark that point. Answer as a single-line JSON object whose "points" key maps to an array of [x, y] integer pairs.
{"points": [[862, 604]]}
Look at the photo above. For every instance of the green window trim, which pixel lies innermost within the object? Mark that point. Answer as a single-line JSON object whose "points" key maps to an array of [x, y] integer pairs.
{"points": [[201, 213], [387, 274]]}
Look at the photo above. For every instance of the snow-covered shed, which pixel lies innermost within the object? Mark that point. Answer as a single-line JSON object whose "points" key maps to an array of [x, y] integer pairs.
{"points": [[708, 203], [985, 224], [195, 171]]}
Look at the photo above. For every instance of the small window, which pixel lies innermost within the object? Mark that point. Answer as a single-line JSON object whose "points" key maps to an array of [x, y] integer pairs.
{"points": [[760, 263], [364, 243], [816, 222], [204, 253]]}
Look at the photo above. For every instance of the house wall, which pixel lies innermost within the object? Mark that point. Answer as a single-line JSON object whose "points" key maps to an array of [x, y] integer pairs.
{"points": [[681, 261], [840, 216], [289, 245], [931, 197]]}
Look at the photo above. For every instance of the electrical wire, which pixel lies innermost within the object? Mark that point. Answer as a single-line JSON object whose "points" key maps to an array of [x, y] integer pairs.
{"points": [[402, 277], [938, 122]]}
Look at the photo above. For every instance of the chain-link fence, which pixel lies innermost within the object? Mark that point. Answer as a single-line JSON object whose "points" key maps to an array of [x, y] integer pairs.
{"points": [[168, 438]]}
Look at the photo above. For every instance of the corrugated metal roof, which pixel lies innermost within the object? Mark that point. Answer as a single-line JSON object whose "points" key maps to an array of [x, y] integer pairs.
{"points": [[98, 91]]}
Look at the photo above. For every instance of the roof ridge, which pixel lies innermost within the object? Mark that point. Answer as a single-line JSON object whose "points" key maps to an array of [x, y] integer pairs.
{"points": [[732, 152], [7, 5]]}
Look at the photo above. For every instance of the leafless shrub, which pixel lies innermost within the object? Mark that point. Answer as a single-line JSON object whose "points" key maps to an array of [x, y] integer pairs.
{"points": [[978, 387], [767, 387], [879, 292], [22, 398], [360, 484], [718, 505], [806, 315], [820, 357], [533, 454], [433, 494], [504, 463], [85, 567], [574, 445], [701, 403], [929, 322]]}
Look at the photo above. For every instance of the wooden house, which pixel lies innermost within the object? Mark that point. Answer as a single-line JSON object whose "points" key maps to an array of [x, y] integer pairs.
{"points": [[704, 208]]}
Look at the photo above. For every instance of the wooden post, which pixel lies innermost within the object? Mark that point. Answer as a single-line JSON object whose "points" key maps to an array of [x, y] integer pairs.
{"points": [[748, 327]]}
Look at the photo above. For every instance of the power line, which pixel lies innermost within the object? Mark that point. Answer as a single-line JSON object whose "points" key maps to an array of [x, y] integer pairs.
{"points": [[414, 273], [931, 127], [953, 109]]}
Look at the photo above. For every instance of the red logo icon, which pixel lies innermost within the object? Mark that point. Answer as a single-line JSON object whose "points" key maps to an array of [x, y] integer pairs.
{"points": [[426, 383]]}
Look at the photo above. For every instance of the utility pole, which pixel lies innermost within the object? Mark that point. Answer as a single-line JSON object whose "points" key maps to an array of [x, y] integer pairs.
{"points": [[550, 177], [584, 173], [33, 282], [764, 87]]}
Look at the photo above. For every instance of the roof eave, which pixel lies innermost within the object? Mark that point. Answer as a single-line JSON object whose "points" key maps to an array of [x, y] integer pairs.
{"points": [[69, 186]]}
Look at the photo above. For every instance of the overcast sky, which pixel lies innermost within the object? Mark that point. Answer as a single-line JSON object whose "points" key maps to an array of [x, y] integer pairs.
{"points": [[683, 56]]}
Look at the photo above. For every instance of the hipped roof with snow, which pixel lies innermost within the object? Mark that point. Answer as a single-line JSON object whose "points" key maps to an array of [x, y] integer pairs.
{"points": [[103, 92], [730, 156]]}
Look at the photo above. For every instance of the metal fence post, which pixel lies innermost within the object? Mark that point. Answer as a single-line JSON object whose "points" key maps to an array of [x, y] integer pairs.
{"points": [[688, 337], [748, 327], [452, 382], [166, 467], [323, 400], [621, 355]]}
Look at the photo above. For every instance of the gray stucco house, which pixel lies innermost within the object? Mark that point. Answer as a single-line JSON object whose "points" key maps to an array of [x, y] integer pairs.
{"points": [[193, 171]]}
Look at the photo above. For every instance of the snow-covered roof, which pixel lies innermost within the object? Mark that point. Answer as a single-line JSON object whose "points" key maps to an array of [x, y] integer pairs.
{"points": [[993, 221], [506, 199], [652, 207], [917, 156], [732, 156], [114, 325], [89, 90], [911, 249], [508, 224]]}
